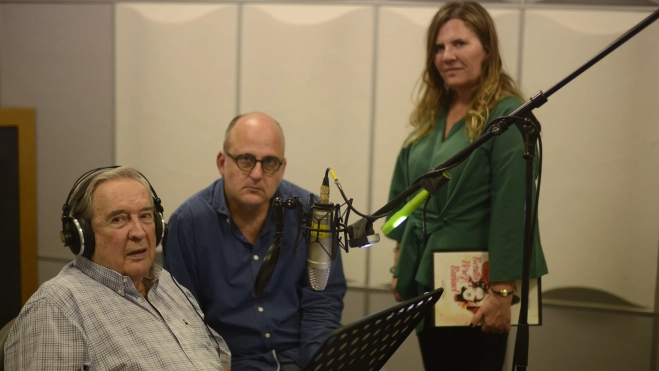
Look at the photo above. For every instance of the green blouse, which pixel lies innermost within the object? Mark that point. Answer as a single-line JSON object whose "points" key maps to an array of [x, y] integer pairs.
{"points": [[480, 208]]}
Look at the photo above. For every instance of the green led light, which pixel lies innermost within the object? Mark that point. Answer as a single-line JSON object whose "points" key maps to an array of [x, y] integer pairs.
{"points": [[399, 220]]}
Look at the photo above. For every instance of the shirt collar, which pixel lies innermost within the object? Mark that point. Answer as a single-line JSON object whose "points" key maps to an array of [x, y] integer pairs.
{"points": [[219, 201], [113, 280]]}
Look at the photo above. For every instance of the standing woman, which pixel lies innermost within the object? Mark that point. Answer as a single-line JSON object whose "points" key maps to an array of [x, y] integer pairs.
{"points": [[482, 208]]}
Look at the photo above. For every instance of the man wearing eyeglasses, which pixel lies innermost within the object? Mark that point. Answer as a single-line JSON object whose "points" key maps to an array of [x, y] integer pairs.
{"points": [[218, 239]]}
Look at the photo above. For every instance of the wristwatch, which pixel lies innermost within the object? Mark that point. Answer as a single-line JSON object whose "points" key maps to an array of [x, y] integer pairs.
{"points": [[503, 293]]}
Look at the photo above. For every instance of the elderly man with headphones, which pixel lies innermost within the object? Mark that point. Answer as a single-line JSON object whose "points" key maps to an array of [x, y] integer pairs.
{"points": [[112, 308]]}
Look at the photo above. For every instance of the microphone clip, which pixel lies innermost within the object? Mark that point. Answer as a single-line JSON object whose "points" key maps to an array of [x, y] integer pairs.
{"points": [[361, 234], [433, 183]]}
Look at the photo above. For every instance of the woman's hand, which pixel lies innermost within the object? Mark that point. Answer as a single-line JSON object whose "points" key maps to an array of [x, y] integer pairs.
{"points": [[394, 281], [494, 314]]}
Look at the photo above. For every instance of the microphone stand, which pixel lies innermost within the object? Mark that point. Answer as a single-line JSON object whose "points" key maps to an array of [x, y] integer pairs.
{"points": [[529, 127], [520, 356], [270, 261]]}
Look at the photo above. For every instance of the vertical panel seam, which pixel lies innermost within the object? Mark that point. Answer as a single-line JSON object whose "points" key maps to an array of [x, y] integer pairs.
{"points": [[113, 82], [520, 43], [239, 49]]}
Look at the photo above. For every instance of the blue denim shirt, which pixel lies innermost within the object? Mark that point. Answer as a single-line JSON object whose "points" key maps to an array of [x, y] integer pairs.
{"points": [[208, 254]]}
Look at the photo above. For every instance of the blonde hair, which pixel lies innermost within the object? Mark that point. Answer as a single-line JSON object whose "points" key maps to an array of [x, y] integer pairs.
{"points": [[494, 85]]}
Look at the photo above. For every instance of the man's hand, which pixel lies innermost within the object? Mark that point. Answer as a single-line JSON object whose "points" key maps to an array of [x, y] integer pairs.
{"points": [[494, 314]]}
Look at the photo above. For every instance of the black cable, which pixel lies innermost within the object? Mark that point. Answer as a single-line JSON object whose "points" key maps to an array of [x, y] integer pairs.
{"points": [[498, 126], [219, 353], [415, 186], [425, 229], [537, 192]]}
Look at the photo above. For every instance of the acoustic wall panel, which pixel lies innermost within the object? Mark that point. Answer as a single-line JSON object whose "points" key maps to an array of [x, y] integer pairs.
{"points": [[175, 92], [597, 2], [583, 339], [400, 62], [311, 67], [599, 209], [57, 59]]}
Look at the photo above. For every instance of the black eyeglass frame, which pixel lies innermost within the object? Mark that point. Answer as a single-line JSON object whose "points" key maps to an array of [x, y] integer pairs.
{"points": [[248, 155]]}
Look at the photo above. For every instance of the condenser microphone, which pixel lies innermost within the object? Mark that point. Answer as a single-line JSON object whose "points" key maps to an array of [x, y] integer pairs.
{"points": [[320, 239]]}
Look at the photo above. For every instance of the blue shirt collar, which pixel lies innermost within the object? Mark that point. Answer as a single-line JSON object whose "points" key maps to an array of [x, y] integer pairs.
{"points": [[219, 202]]}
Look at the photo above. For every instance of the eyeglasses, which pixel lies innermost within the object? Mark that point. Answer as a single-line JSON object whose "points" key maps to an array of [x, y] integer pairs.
{"points": [[246, 162]]}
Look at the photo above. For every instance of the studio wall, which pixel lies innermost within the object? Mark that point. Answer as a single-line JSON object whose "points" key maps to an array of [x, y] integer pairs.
{"points": [[59, 60], [340, 79], [154, 85], [599, 214]]}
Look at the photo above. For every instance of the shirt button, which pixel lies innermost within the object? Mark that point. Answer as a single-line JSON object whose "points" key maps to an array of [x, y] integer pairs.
{"points": [[260, 309], [267, 335], [120, 292], [125, 279], [256, 257], [139, 300]]}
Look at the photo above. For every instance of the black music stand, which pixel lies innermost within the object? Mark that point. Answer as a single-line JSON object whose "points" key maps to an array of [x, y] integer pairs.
{"points": [[367, 344]]}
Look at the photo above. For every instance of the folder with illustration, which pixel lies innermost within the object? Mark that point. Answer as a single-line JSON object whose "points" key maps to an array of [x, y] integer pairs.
{"points": [[464, 275], [367, 344]]}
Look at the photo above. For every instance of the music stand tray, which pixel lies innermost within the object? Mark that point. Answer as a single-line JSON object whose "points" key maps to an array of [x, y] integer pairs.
{"points": [[367, 344]]}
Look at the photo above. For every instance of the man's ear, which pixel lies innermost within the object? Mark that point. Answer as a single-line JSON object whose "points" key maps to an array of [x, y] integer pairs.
{"points": [[283, 166], [221, 161]]}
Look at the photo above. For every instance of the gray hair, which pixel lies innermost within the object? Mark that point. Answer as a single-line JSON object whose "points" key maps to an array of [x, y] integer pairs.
{"points": [[233, 123], [81, 200]]}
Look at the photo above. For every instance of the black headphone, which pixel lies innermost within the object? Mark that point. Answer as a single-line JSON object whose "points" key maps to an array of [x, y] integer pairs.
{"points": [[77, 232]]}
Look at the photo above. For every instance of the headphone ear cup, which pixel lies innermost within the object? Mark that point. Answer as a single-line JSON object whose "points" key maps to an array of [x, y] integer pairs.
{"points": [[164, 244], [86, 237], [70, 236]]}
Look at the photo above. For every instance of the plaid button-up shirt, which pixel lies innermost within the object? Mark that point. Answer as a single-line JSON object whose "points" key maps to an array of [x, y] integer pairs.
{"points": [[92, 318]]}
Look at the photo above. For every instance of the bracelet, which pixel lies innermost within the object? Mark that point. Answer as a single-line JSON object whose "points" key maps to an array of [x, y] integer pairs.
{"points": [[503, 293]]}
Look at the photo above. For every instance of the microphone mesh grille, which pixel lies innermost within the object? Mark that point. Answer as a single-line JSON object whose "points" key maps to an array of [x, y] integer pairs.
{"points": [[318, 278]]}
